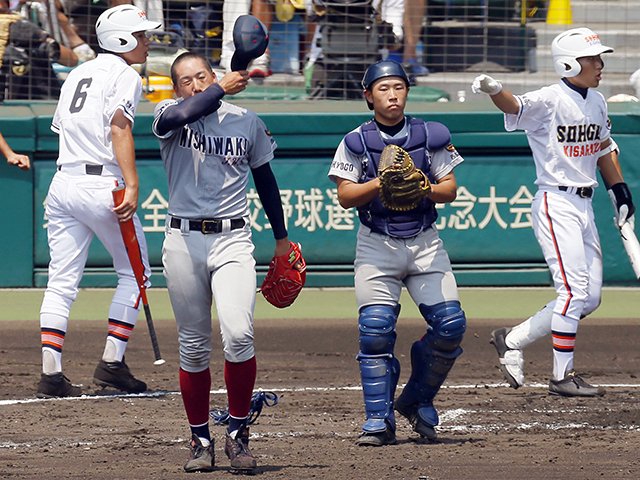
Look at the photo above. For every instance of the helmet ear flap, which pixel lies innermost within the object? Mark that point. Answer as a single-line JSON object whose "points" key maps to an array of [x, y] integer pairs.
{"points": [[567, 66]]}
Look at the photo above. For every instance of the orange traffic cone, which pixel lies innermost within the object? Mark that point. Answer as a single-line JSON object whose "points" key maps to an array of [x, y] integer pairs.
{"points": [[559, 12]]}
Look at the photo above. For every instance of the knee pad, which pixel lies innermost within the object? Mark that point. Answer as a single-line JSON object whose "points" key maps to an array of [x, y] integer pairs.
{"points": [[377, 326], [447, 324]]}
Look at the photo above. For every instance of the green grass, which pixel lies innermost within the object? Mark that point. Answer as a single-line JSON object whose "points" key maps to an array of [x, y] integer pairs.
{"points": [[478, 303]]}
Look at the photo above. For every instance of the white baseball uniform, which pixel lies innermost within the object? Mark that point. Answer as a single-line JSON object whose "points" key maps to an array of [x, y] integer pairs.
{"points": [[208, 163], [79, 203], [564, 130]]}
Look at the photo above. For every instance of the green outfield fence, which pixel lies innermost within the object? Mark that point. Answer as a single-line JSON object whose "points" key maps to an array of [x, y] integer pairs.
{"points": [[487, 230]]}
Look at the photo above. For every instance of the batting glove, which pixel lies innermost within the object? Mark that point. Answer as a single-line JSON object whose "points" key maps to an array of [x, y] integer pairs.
{"points": [[621, 199], [84, 52], [486, 84]]}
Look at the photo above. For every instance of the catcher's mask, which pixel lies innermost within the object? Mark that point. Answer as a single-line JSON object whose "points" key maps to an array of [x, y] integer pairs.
{"points": [[250, 37], [115, 28], [576, 43], [382, 69]]}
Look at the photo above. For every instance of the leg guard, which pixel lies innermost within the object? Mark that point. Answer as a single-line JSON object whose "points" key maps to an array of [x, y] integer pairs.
{"points": [[432, 357], [379, 369]]}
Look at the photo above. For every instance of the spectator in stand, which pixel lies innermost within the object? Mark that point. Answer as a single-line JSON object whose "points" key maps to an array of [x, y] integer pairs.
{"points": [[231, 10], [414, 11], [31, 52]]}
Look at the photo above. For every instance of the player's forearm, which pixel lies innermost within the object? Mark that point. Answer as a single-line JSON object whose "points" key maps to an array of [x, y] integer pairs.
{"points": [[506, 102], [124, 150], [190, 109], [269, 193], [351, 194], [5, 149], [445, 190], [610, 170]]}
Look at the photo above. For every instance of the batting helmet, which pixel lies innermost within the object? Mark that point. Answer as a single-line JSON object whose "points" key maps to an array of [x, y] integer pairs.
{"points": [[250, 38], [576, 43], [382, 69], [115, 28]]}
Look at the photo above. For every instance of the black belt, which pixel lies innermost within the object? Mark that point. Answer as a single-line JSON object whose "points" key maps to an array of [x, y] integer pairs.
{"points": [[88, 169], [584, 192], [207, 226]]}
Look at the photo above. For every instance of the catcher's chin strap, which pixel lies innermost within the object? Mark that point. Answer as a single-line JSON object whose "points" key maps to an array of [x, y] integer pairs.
{"points": [[258, 400]]}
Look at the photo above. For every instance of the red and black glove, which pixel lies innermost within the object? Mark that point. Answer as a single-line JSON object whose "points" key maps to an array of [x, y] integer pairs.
{"points": [[285, 278]]}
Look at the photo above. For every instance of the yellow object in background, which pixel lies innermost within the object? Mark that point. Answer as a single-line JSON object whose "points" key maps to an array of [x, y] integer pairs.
{"points": [[559, 12], [159, 88]]}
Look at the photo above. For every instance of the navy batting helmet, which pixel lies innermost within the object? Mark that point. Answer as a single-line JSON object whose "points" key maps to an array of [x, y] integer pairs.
{"points": [[382, 69]]}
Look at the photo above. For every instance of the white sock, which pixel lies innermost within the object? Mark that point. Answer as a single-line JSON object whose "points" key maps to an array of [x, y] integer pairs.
{"points": [[533, 328]]}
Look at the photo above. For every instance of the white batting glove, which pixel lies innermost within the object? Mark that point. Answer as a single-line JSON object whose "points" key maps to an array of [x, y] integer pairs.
{"points": [[84, 52], [486, 84]]}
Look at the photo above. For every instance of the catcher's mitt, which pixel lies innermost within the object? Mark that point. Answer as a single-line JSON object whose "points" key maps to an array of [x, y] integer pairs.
{"points": [[285, 278], [402, 185]]}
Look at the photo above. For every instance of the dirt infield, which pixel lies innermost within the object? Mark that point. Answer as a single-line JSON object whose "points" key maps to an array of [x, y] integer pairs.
{"points": [[487, 431]]}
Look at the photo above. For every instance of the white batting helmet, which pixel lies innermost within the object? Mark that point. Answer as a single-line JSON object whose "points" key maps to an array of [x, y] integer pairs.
{"points": [[116, 25], [576, 43]]}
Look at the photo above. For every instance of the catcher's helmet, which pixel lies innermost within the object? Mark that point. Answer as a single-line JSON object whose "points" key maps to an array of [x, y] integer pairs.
{"points": [[576, 43], [115, 28], [382, 69]]}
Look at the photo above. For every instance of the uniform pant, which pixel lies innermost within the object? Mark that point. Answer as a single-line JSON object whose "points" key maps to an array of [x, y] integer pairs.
{"points": [[199, 269]]}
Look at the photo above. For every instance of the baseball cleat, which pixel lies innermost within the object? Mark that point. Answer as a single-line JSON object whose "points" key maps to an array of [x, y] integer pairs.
{"points": [[56, 385], [117, 375], [573, 385], [237, 449], [423, 418], [511, 359], [377, 439], [202, 458]]}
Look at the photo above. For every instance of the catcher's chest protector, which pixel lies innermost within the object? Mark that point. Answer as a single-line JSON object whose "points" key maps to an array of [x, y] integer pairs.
{"points": [[369, 142]]}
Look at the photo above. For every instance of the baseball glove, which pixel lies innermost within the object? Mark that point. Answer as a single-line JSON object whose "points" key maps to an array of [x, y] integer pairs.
{"points": [[285, 278], [402, 185]]}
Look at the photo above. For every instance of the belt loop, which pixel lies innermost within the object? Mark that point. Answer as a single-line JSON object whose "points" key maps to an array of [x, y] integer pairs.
{"points": [[225, 225], [184, 226]]}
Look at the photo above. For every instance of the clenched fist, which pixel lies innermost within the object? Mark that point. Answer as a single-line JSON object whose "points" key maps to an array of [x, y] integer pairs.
{"points": [[486, 84]]}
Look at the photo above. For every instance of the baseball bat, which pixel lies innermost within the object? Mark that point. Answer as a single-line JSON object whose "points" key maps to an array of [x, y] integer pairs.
{"points": [[629, 242], [128, 231], [632, 247]]}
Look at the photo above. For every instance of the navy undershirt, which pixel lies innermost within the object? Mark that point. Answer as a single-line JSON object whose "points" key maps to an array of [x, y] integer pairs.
{"points": [[390, 130], [582, 91]]}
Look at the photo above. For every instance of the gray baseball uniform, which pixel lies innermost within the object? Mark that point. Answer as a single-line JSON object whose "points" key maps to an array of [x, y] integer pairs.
{"points": [[208, 164]]}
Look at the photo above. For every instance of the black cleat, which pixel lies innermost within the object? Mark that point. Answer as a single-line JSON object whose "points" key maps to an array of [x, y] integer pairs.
{"points": [[117, 375], [573, 385], [377, 439], [56, 385]]}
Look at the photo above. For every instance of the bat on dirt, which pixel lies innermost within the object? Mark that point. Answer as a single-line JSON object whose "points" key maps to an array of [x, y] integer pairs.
{"points": [[128, 231]]}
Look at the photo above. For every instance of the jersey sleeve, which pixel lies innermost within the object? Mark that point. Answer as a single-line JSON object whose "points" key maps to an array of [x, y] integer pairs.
{"points": [[125, 95], [159, 109], [443, 161], [262, 145], [535, 113], [345, 165]]}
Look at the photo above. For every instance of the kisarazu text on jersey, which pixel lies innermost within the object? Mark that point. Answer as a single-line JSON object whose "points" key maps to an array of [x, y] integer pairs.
{"points": [[579, 134]]}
